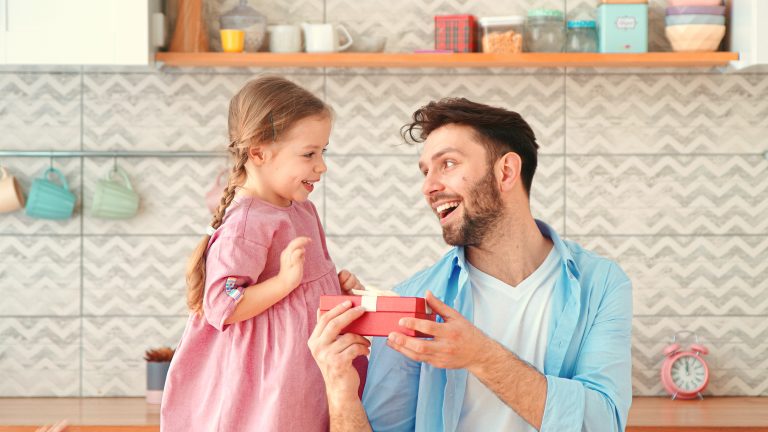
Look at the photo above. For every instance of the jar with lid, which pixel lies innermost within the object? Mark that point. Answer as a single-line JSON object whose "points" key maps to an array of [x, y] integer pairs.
{"points": [[544, 31], [246, 18], [502, 35], [582, 37]]}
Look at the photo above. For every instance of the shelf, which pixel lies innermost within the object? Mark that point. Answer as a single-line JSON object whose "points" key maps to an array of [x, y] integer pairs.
{"points": [[455, 60]]}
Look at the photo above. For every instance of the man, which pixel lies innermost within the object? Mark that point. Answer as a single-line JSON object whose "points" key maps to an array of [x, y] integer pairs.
{"points": [[537, 335]]}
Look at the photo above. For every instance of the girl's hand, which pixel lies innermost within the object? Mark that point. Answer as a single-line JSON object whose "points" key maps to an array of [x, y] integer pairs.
{"points": [[348, 282], [292, 263]]}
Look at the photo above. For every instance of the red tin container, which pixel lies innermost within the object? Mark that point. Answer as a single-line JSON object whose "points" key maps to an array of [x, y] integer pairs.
{"points": [[457, 33], [382, 313]]}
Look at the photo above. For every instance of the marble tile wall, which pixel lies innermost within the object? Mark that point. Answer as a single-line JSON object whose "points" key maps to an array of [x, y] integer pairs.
{"points": [[661, 170]]}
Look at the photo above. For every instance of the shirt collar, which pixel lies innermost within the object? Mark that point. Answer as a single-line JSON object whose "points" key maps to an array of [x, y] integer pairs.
{"points": [[459, 258]]}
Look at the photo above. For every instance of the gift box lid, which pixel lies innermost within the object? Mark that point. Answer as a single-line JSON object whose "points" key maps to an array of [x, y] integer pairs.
{"points": [[379, 303]]}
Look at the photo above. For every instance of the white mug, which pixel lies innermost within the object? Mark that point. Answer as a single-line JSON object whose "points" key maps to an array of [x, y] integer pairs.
{"points": [[320, 38], [284, 38]]}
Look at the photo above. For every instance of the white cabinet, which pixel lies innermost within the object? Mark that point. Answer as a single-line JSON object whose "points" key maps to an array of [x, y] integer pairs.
{"points": [[3, 24], [106, 32], [749, 32]]}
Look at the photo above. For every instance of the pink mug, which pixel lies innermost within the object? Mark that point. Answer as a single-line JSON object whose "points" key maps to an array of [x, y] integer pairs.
{"points": [[213, 196], [11, 196]]}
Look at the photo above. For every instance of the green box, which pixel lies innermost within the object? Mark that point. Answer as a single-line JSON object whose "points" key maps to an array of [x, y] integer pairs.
{"points": [[622, 28]]}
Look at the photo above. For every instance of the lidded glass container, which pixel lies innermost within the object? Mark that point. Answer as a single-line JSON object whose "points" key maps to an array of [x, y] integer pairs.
{"points": [[503, 34], [582, 36], [544, 30], [246, 18]]}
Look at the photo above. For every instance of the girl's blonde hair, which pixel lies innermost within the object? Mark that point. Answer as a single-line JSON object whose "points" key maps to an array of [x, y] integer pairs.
{"points": [[258, 113]]}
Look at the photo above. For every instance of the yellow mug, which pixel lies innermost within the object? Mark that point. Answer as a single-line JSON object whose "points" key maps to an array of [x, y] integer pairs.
{"points": [[232, 40]]}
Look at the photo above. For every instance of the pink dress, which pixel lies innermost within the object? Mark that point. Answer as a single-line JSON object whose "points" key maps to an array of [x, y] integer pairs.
{"points": [[257, 374]]}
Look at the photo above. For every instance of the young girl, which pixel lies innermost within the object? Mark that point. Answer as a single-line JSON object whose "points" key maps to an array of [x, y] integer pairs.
{"points": [[254, 283]]}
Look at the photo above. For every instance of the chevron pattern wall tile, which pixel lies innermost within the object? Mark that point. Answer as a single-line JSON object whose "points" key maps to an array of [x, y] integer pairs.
{"points": [[40, 111], [26, 170], [737, 344], [371, 108], [360, 202], [171, 192], [666, 114], [295, 11], [163, 111], [39, 357], [135, 275], [382, 196], [663, 195], [48, 266], [113, 351], [384, 261], [691, 276]]}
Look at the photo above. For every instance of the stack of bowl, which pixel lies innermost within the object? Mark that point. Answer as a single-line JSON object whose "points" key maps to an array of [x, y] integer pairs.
{"points": [[695, 25]]}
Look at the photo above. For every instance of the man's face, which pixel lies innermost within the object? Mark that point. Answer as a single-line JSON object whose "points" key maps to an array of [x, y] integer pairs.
{"points": [[459, 185]]}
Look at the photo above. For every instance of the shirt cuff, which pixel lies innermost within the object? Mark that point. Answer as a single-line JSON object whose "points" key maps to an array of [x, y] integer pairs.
{"points": [[564, 409]]}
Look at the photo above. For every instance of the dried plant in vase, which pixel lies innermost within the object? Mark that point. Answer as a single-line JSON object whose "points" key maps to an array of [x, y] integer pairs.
{"points": [[158, 362], [162, 354]]}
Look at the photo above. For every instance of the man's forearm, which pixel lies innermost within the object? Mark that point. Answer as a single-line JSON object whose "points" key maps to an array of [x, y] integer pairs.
{"points": [[347, 415], [515, 382]]}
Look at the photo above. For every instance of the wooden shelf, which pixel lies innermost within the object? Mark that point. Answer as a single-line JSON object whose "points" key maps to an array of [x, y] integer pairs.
{"points": [[457, 60]]}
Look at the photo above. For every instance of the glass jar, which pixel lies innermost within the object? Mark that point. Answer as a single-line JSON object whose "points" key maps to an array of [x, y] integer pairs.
{"points": [[246, 18], [544, 31], [502, 35], [582, 37]]}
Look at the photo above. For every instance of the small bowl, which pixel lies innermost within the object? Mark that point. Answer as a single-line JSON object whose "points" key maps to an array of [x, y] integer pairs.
{"points": [[697, 10], [694, 2], [367, 43], [695, 37], [673, 20]]}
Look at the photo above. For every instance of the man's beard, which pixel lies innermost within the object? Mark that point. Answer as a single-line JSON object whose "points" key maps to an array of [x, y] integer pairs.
{"points": [[480, 216]]}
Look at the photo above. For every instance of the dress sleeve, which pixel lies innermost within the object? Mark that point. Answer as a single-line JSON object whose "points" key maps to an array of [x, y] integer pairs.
{"points": [[232, 264]]}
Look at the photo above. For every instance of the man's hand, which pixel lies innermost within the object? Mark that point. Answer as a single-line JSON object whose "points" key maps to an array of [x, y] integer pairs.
{"points": [[348, 282], [456, 343], [334, 353]]}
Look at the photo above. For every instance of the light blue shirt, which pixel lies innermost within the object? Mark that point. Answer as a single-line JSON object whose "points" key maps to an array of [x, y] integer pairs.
{"points": [[588, 363]]}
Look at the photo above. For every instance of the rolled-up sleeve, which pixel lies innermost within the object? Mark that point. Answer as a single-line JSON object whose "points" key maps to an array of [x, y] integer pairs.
{"points": [[598, 396], [232, 264]]}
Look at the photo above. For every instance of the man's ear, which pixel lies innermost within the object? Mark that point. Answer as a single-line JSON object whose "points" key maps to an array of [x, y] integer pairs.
{"points": [[508, 171]]}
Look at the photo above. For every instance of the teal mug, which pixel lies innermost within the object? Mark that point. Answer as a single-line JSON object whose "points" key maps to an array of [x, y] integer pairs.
{"points": [[115, 199], [50, 200]]}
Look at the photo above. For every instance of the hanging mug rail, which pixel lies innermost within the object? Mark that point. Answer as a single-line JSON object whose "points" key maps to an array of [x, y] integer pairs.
{"points": [[120, 154]]}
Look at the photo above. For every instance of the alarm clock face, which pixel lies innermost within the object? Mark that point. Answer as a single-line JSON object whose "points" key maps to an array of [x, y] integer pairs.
{"points": [[688, 373]]}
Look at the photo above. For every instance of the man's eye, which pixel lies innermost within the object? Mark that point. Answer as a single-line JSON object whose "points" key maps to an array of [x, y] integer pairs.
{"points": [[449, 164], [425, 172]]}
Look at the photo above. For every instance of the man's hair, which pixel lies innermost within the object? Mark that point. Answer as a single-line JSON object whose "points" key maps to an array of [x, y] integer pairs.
{"points": [[499, 130]]}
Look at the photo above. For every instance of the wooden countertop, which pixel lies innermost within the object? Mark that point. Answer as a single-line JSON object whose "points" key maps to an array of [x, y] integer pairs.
{"points": [[742, 414]]}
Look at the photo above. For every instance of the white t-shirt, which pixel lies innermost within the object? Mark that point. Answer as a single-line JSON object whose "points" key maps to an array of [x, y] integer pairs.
{"points": [[518, 318]]}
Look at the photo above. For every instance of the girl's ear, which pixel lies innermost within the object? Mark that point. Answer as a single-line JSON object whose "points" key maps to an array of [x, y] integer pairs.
{"points": [[257, 154], [509, 166]]}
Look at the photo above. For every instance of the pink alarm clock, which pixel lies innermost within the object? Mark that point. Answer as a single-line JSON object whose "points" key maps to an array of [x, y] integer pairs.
{"points": [[684, 373]]}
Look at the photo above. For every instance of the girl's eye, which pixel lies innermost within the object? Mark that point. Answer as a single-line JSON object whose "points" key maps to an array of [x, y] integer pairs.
{"points": [[309, 155]]}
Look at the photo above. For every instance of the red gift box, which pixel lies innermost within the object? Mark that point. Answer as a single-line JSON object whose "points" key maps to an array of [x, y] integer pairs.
{"points": [[382, 313], [457, 33]]}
